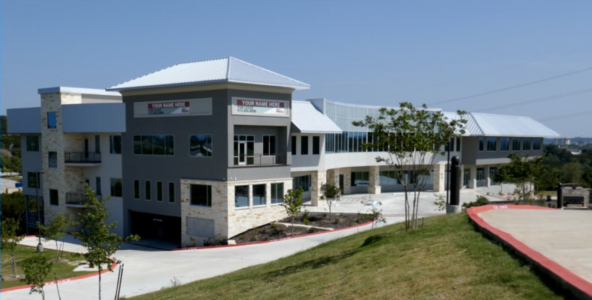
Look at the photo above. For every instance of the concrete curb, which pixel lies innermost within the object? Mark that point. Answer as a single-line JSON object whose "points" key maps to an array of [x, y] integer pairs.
{"points": [[581, 288], [273, 241]]}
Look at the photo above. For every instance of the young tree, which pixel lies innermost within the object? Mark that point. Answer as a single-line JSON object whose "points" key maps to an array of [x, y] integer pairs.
{"points": [[293, 203], [411, 137], [56, 230], [331, 193], [523, 171], [10, 239], [501, 176], [36, 269], [96, 235]]}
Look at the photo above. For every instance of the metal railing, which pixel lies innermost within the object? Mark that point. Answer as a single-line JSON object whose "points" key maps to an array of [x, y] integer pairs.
{"points": [[82, 157], [78, 199], [260, 160]]}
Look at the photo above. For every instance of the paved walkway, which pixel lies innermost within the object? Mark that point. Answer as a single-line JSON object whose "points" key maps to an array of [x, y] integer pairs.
{"points": [[558, 240]]}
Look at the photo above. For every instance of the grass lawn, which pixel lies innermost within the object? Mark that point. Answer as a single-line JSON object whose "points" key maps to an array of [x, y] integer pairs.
{"points": [[447, 259], [62, 269]]}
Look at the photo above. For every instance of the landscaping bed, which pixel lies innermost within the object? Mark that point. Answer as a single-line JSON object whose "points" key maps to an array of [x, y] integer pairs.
{"points": [[313, 222]]}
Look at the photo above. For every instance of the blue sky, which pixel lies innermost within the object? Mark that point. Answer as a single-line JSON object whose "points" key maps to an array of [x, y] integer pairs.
{"points": [[370, 52]]}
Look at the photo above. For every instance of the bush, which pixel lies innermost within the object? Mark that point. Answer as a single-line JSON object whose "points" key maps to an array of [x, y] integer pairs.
{"points": [[306, 222], [481, 200]]}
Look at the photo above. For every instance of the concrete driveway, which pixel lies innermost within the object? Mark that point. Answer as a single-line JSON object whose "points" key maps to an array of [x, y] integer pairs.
{"points": [[148, 270]]}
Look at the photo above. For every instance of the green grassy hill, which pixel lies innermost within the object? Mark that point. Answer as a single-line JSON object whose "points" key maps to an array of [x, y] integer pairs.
{"points": [[447, 259]]}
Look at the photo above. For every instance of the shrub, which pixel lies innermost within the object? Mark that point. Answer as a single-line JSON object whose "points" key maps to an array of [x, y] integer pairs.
{"points": [[305, 215], [306, 222], [312, 230], [481, 200]]}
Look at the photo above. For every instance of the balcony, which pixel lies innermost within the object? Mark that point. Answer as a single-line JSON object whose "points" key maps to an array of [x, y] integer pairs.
{"points": [[82, 159], [260, 160], [77, 199]]}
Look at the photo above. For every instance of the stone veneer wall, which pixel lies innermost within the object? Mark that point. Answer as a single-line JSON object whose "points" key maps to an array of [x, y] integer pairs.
{"points": [[64, 179], [318, 178], [228, 220], [439, 179], [374, 174]]}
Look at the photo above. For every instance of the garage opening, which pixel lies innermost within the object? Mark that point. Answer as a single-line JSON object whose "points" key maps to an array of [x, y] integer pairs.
{"points": [[157, 231]]}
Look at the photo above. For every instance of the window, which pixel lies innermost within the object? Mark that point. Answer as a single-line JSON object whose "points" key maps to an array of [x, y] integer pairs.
{"points": [[536, 144], [259, 194], [269, 145], [201, 195], [171, 192], [304, 145], [98, 186], [147, 190], [115, 144], [491, 144], [329, 143], [158, 191], [200, 145], [32, 179], [116, 187], [241, 196], [33, 143], [449, 145], [480, 177], [52, 159], [388, 178], [466, 177], [293, 145], [154, 145], [457, 144], [492, 172], [526, 144], [481, 143], [277, 193], [51, 120], [301, 182], [54, 197], [516, 144], [136, 189], [244, 150], [360, 178], [504, 144], [316, 145], [97, 144]]}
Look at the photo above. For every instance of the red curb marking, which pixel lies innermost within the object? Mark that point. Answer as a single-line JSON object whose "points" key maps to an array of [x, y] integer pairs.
{"points": [[563, 273], [273, 241], [20, 287]]}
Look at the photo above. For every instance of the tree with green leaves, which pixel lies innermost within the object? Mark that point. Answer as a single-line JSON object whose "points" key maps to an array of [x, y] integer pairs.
{"points": [[293, 203], [523, 171], [502, 177], [412, 137], [331, 193], [56, 230], [10, 239], [36, 269], [95, 233]]}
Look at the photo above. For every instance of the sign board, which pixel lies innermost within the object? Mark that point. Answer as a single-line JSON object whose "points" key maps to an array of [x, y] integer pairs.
{"points": [[173, 108], [260, 107]]}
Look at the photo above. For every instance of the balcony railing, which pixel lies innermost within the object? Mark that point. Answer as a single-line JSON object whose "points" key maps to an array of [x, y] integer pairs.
{"points": [[260, 160], [82, 157], [78, 199]]}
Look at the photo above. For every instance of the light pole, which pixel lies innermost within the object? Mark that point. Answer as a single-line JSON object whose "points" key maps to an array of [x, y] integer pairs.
{"points": [[39, 245]]}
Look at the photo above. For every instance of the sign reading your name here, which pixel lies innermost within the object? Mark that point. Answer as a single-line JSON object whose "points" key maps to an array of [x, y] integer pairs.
{"points": [[260, 107]]}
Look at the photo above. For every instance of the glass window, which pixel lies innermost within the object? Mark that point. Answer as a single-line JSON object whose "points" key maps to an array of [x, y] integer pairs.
{"points": [[481, 143], [147, 145], [480, 177], [241, 196], [32, 143], [97, 144], [138, 144], [147, 190], [516, 143], [277, 193], [244, 150], [269, 145], [491, 144], [329, 143], [449, 146], [136, 189], [201, 195], [51, 120], [98, 186], [316, 145], [153, 145], [360, 178], [116, 187], [200, 145], [301, 182], [526, 144], [388, 178], [504, 144], [52, 159], [158, 191], [115, 144], [171, 192], [170, 145], [259, 194], [32, 180], [536, 144], [158, 144], [457, 144], [54, 197], [293, 145], [492, 172], [304, 145]]}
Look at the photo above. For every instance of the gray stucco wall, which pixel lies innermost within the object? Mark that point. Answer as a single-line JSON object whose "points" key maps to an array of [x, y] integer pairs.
{"points": [[104, 117], [24, 120], [31, 162]]}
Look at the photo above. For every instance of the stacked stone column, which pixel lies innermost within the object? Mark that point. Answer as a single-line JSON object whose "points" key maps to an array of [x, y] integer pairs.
{"points": [[374, 174]]}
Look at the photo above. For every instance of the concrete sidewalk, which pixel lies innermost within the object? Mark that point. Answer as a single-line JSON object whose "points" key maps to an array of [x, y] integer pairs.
{"points": [[558, 240]]}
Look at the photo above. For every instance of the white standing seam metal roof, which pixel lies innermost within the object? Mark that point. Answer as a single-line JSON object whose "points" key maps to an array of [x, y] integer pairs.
{"points": [[480, 124], [228, 69], [309, 120]]}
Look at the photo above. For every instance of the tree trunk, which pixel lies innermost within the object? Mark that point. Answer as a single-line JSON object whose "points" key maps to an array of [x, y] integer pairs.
{"points": [[99, 282]]}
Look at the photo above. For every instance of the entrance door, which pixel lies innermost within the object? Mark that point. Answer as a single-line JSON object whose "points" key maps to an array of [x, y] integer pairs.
{"points": [[242, 153], [86, 148], [341, 182]]}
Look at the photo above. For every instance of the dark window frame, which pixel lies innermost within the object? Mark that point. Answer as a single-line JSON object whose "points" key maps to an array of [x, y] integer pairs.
{"points": [[203, 201], [316, 145], [304, 145], [54, 197]]}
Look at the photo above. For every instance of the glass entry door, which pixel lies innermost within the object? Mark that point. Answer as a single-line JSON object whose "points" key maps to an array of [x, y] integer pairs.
{"points": [[242, 153]]}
